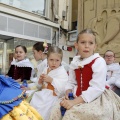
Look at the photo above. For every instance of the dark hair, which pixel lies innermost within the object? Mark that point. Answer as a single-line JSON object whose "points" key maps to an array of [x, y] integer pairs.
{"points": [[90, 31], [23, 47], [55, 49], [39, 46], [109, 51]]}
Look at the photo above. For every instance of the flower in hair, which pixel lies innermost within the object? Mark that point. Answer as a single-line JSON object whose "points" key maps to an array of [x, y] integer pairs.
{"points": [[45, 45]]}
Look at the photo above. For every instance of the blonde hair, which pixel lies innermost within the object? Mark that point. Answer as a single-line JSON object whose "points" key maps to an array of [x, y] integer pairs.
{"points": [[90, 31], [55, 49]]}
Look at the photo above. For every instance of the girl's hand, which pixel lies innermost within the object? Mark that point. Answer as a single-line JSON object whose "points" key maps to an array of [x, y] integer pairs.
{"points": [[47, 78], [18, 80], [25, 88], [40, 81], [67, 103], [66, 94]]}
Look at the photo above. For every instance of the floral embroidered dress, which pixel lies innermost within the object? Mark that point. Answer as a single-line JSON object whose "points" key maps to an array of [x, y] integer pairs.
{"points": [[12, 105], [87, 78]]}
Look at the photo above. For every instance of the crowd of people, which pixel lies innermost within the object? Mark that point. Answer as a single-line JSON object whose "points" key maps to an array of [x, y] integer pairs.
{"points": [[93, 80]]}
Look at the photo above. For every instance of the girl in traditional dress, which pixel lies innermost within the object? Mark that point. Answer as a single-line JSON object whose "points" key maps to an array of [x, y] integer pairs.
{"points": [[12, 104], [53, 80], [87, 79], [40, 50], [21, 68], [113, 71]]}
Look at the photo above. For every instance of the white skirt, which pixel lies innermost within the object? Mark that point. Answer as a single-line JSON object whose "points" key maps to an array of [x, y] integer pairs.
{"points": [[43, 101]]}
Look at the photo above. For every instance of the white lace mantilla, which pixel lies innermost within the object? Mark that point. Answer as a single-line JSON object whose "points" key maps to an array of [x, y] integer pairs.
{"points": [[23, 63]]}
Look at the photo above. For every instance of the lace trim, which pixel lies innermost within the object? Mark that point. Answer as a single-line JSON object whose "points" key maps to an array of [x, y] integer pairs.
{"points": [[21, 96]]}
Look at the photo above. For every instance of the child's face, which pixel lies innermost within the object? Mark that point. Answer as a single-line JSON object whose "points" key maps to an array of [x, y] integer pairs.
{"points": [[86, 45], [20, 53], [54, 60], [37, 54], [109, 57]]}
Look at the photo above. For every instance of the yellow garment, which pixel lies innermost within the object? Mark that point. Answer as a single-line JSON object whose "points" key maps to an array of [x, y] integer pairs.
{"points": [[7, 117], [23, 112]]}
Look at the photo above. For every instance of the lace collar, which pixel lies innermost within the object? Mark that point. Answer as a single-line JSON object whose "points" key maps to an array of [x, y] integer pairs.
{"points": [[77, 62], [23, 63]]}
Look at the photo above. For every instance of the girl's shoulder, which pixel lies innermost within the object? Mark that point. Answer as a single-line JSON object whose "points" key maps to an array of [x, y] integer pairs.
{"points": [[113, 66], [100, 59], [42, 64], [77, 62]]}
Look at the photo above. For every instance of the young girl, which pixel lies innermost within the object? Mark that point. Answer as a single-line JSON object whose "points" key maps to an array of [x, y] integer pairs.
{"points": [[40, 53], [53, 80], [113, 71], [12, 104], [40, 50], [21, 68], [87, 78]]}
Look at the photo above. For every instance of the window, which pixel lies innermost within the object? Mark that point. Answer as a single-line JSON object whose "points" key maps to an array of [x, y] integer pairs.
{"points": [[34, 6], [74, 14]]}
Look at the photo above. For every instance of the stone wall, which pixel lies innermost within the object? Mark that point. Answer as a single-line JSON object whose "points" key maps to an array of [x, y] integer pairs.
{"points": [[103, 16]]}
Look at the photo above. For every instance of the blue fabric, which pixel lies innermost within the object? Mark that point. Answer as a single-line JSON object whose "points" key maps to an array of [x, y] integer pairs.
{"points": [[9, 89]]}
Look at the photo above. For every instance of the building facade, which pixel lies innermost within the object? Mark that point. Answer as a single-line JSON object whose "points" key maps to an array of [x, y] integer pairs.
{"points": [[26, 22], [58, 22]]}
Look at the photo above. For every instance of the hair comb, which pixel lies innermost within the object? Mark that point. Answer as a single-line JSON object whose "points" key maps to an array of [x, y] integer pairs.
{"points": [[45, 45]]}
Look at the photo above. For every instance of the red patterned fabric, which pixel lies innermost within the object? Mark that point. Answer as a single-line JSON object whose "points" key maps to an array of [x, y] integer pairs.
{"points": [[83, 76]]}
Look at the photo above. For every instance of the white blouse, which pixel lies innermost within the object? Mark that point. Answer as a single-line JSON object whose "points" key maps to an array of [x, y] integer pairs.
{"points": [[41, 67], [113, 74], [98, 81], [60, 79]]}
